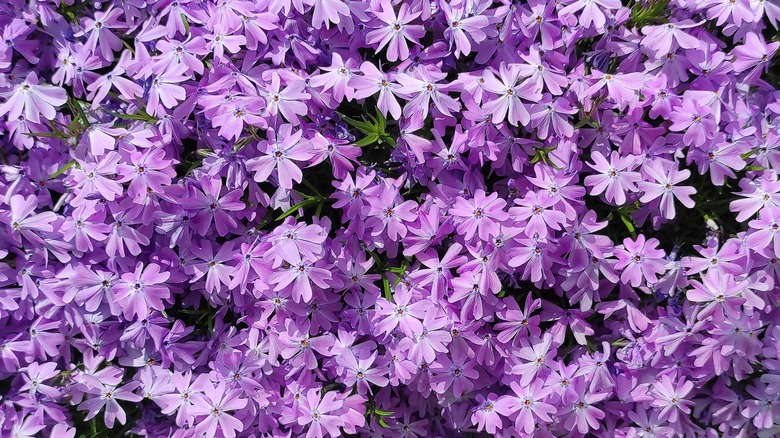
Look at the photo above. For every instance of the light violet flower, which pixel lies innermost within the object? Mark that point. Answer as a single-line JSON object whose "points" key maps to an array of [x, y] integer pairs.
{"points": [[33, 99], [667, 177], [395, 30]]}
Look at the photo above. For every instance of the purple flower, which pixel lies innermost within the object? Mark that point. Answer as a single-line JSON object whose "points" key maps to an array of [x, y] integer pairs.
{"points": [[32, 99], [374, 80], [526, 405], [209, 205], [720, 293], [146, 171], [142, 291], [318, 413], [696, 120], [479, 215], [666, 187], [214, 406], [281, 155], [640, 259], [615, 178], [107, 396], [670, 397], [395, 30], [421, 88], [507, 104]]}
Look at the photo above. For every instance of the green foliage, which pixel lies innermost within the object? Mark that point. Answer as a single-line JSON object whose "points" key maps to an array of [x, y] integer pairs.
{"points": [[648, 13], [375, 129]]}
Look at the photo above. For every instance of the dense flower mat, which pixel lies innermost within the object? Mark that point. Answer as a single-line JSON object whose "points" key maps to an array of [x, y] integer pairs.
{"points": [[389, 218]]}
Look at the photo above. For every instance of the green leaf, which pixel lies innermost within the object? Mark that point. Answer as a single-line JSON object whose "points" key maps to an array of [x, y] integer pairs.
{"points": [[308, 200], [364, 127], [386, 287], [186, 23], [292, 210], [401, 271], [62, 169], [382, 422], [368, 140], [747, 154], [78, 111], [382, 119], [47, 135], [389, 140], [141, 115], [383, 413], [629, 225]]}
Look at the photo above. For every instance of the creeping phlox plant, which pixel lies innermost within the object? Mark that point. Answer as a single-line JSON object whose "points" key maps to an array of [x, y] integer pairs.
{"points": [[400, 218]]}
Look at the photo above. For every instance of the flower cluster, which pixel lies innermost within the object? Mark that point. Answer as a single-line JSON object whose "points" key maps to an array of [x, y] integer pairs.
{"points": [[389, 218]]}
